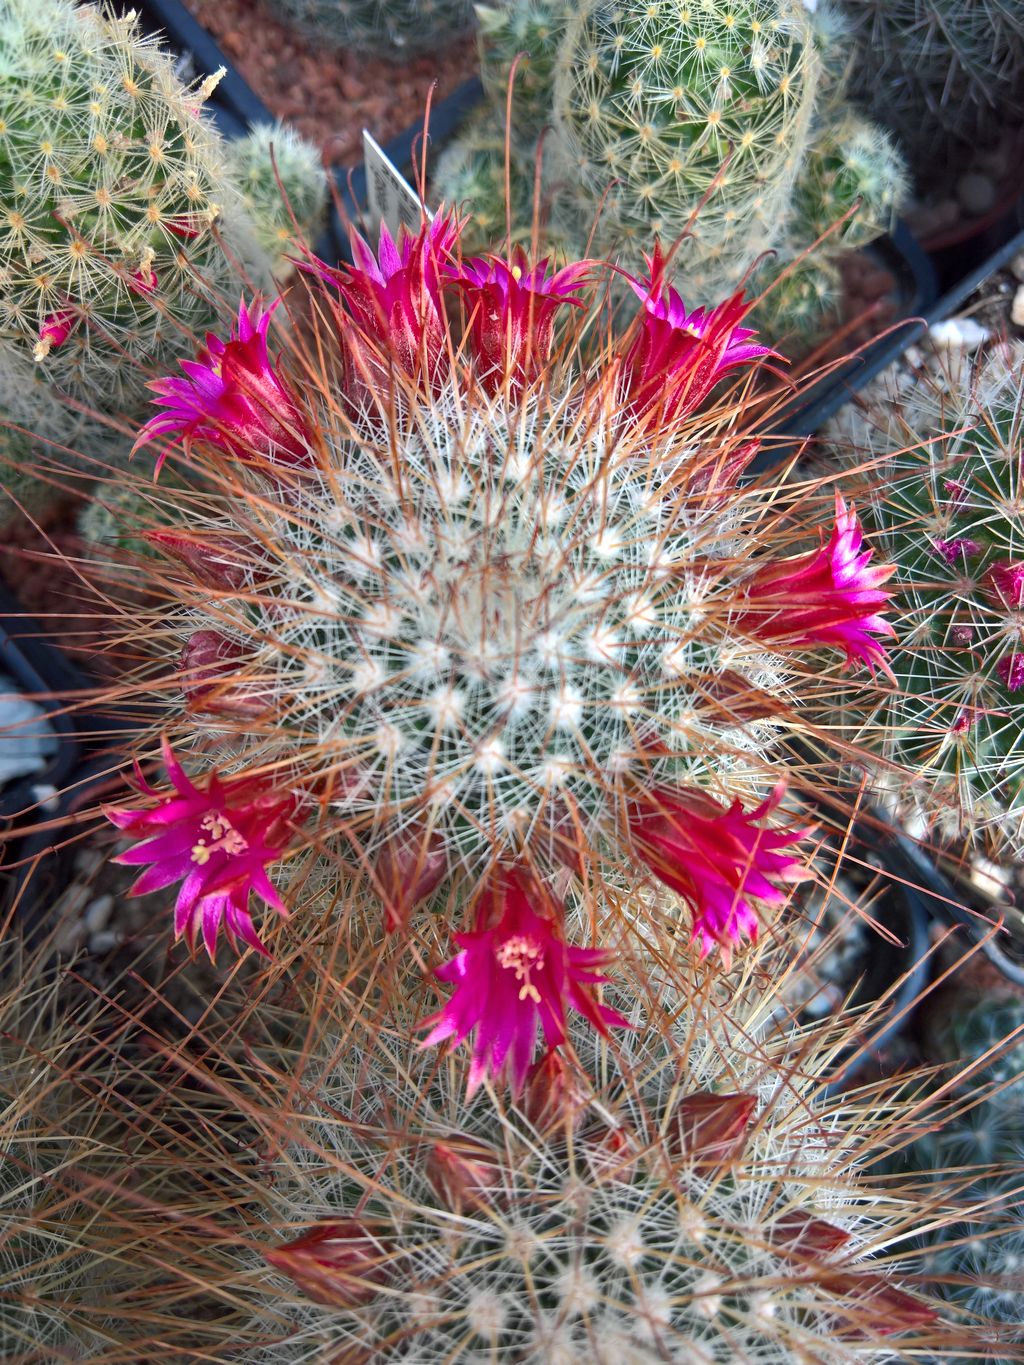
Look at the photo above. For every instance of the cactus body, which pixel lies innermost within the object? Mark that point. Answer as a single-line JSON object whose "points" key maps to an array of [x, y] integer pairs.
{"points": [[535, 30], [934, 67], [851, 165], [283, 186], [111, 185], [953, 519], [659, 97], [398, 29]]}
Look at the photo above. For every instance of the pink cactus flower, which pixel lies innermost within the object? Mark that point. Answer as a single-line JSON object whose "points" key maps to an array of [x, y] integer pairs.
{"points": [[218, 561], [1011, 670], [719, 859], [232, 398], [512, 974], [678, 357], [1008, 580], [829, 596], [394, 298], [953, 550], [217, 843], [55, 330], [512, 313]]}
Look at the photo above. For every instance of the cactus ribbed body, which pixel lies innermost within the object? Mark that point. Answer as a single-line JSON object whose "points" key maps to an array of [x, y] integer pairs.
{"points": [[110, 186], [283, 185], [659, 97], [952, 515], [924, 67], [851, 165], [398, 29], [532, 31]]}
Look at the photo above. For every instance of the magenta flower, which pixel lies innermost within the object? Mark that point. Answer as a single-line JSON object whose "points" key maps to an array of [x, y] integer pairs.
{"points": [[953, 550], [677, 357], [719, 859], [232, 398], [1008, 580], [512, 313], [1011, 669], [217, 843], [829, 596], [55, 330], [512, 974], [394, 298]]}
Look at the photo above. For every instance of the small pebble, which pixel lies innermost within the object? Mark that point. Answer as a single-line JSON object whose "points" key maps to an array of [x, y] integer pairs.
{"points": [[1017, 307], [1017, 266], [97, 913], [958, 334], [976, 192], [46, 794]]}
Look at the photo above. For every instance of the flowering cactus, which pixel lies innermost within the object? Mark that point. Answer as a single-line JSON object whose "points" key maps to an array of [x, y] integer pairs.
{"points": [[477, 616], [947, 503], [116, 194], [680, 1193]]}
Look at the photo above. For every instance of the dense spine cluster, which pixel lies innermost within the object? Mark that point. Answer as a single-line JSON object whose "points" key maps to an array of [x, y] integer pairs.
{"points": [[113, 195], [950, 507]]}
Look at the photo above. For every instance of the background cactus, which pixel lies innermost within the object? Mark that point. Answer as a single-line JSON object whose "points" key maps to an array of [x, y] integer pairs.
{"points": [[112, 187], [471, 171], [925, 68], [398, 29], [649, 102], [283, 185], [950, 514]]}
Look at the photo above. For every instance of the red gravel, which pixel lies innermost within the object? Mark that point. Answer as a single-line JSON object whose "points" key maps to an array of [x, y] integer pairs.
{"points": [[330, 97]]}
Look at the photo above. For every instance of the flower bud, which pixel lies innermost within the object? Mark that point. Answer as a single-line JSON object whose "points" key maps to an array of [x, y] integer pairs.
{"points": [[213, 678], [552, 1097], [342, 1263], [464, 1171], [711, 1130]]}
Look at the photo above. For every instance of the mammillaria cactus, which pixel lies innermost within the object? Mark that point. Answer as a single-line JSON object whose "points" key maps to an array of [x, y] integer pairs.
{"points": [[283, 185], [398, 29], [661, 110], [680, 1193], [474, 614], [113, 186], [928, 67], [950, 512]]}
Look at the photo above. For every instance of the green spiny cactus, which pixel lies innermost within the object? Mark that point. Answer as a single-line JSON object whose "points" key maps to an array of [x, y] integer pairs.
{"points": [[852, 164], [534, 29], [652, 100], [111, 186], [951, 516], [283, 186], [804, 292], [398, 29], [470, 173], [927, 67]]}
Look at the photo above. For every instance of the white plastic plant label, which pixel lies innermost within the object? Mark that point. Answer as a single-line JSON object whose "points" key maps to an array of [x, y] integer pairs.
{"points": [[391, 199]]}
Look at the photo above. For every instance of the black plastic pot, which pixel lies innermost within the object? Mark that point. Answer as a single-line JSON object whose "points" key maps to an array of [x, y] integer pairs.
{"points": [[43, 674]]}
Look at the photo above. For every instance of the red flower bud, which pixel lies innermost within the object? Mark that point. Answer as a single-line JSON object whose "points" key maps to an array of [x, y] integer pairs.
{"points": [[406, 872], [342, 1263], [217, 561], [711, 1130], [799, 1234], [552, 1097], [882, 1309], [213, 678], [464, 1170]]}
